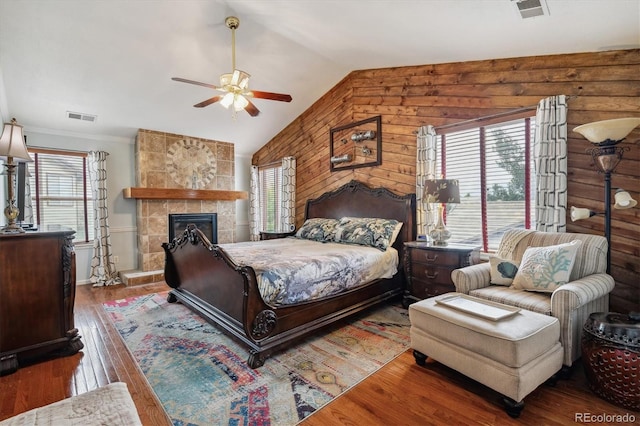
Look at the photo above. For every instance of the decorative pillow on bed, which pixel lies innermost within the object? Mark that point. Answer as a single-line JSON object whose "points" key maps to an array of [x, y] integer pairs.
{"points": [[373, 232], [318, 229], [502, 270], [545, 269]]}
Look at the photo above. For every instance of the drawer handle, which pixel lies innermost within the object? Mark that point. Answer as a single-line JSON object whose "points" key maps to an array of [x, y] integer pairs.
{"points": [[431, 259], [431, 276]]}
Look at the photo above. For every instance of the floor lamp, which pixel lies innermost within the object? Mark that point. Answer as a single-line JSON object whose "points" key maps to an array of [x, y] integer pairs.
{"points": [[13, 150], [605, 136]]}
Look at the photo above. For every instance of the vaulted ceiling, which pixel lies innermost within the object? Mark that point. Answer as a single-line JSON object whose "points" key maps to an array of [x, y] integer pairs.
{"points": [[115, 59]]}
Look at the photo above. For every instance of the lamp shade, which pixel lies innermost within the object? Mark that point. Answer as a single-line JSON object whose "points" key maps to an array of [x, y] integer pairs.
{"points": [[623, 200], [12, 143], [608, 132], [441, 191], [578, 213]]}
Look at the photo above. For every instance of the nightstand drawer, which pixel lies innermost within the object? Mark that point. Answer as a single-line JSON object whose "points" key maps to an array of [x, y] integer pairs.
{"points": [[433, 257], [431, 274], [421, 289]]}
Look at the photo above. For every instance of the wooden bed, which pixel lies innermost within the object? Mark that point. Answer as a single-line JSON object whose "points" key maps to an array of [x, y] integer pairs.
{"points": [[205, 279]]}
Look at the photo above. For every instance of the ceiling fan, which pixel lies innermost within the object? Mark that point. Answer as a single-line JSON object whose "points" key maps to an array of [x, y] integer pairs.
{"points": [[235, 85]]}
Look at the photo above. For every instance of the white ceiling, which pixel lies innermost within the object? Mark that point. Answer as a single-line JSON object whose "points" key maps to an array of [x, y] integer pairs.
{"points": [[115, 58]]}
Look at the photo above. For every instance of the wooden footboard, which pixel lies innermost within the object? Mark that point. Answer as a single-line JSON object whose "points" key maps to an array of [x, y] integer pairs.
{"points": [[204, 278]]}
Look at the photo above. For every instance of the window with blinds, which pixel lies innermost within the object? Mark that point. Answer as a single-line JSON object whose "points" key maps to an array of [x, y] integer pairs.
{"points": [[61, 191], [495, 169], [270, 198]]}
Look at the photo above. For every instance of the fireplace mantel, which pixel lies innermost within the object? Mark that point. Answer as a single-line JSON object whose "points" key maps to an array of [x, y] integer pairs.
{"points": [[183, 194]]}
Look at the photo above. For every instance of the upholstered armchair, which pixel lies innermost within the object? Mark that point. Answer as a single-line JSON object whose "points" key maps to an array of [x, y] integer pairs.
{"points": [[586, 291]]}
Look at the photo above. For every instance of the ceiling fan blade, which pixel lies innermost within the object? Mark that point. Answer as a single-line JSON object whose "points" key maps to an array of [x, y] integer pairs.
{"points": [[251, 109], [184, 80], [272, 96], [208, 101]]}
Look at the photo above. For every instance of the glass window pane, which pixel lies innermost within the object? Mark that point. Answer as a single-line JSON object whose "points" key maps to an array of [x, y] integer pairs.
{"points": [[504, 179], [58, 193]]}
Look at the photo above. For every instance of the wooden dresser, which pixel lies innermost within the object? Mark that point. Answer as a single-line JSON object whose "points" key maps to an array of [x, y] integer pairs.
{"points": [[428, 268], [37, 294]]}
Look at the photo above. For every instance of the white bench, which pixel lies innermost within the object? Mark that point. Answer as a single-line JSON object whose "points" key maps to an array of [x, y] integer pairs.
{"points": [[512, 355]]}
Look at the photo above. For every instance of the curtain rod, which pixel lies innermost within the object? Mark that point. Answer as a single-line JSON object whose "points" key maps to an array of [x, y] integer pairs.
{"points": [[273, 163], [486, 117], [492, 116]]}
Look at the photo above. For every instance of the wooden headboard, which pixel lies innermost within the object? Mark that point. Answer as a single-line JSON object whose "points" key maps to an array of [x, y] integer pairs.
{"points": [[358, 200]]}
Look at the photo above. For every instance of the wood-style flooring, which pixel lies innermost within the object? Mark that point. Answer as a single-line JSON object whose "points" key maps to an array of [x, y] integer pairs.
{"points": [[401, 393]]}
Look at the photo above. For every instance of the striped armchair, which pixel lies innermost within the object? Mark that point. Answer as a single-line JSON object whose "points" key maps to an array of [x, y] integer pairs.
{"points": [[587, 290]]}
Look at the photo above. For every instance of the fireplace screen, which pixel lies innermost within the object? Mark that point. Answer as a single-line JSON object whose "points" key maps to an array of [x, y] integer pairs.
{"points": [[206, 222]]}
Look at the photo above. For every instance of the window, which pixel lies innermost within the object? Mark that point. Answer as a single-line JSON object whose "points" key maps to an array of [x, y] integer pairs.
{"points": [[270, 179], [494, 166], [61, 192]]}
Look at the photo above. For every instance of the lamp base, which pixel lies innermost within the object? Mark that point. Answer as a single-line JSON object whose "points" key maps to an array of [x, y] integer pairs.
{"points": [[12, 228], [440, 234]]}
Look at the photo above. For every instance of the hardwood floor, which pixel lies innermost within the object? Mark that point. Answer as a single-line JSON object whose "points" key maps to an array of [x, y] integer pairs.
{"points": [[401, 393]]}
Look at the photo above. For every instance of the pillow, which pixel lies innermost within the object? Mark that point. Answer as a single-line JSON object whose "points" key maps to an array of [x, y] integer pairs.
{"points": [[373, 232], [502, 270], [545, 269], [318, 229]]}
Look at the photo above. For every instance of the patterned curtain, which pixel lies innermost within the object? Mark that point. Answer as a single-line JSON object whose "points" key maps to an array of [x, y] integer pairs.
{"points": [[288, 195], [254, 204], [103, 269], [426, 214], [550, 158], [28, 201]]}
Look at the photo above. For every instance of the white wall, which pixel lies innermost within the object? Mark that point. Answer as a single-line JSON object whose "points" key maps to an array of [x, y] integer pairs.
{"points": [[122, 212]]}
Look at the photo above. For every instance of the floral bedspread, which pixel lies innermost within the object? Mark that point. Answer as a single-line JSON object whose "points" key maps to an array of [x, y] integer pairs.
{"points": [[292, 270]]}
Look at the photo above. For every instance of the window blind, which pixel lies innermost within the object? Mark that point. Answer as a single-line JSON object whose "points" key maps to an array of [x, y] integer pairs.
{"points": [[61, 192], [497, 183], [270, 198]]}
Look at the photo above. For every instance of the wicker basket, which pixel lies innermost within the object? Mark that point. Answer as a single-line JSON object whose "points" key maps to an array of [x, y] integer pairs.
{"points": [[611, 357]]}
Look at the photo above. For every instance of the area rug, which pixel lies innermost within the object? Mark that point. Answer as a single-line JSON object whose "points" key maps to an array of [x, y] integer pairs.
{"points": [[201, 376]]}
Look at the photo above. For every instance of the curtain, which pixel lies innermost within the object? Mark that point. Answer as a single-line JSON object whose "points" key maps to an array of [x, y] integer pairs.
{"points": [[28, 200], [550, 159], [426, 214], [254, 204], [103, 269], [288, 195]]}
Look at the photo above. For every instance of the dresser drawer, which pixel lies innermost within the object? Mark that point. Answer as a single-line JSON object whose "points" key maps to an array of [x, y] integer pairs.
{"points": [[432, 274], [433, 257]]}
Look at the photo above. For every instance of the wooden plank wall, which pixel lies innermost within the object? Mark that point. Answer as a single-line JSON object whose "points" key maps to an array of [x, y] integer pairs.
{"points": [[601, 85]]}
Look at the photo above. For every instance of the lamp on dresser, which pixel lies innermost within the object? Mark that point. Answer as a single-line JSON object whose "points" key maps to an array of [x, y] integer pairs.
{"points": [[605, 135], [13, 150], [442, 191]]}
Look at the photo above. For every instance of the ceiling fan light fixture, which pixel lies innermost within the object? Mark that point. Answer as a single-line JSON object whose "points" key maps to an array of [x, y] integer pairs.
{"points": [[240, 103], [227, 100]]}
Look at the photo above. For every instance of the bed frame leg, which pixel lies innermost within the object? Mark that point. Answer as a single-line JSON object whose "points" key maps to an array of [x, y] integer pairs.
{"points": [[171, 298], [256, 359]]}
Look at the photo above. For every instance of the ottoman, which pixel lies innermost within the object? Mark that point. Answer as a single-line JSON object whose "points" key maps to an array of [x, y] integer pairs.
{"points": [[509, 350]]}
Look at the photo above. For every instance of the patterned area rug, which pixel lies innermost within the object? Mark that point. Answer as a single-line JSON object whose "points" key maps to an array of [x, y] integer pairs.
{"points": [[202, 378]]}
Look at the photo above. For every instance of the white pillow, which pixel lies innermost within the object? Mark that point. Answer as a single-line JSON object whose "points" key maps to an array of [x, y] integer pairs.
{"points": [[502, 270], [545, 269]]}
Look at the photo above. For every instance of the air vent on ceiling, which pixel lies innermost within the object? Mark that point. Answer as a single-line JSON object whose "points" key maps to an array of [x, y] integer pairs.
{"points": [[531, 8], [82, 117]]}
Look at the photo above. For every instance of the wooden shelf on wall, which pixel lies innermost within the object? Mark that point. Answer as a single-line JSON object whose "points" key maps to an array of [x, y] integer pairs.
{"points": [[183, 194]]}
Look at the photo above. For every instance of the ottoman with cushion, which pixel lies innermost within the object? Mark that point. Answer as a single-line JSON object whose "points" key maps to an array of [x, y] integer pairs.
{"points": [[510, 350]]}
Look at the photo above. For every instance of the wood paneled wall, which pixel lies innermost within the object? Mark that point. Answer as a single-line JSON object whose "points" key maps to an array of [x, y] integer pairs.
{"points": [[600, 86]]}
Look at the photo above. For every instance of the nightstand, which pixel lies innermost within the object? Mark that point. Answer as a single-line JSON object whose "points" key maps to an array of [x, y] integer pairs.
{"points": [[428, 268], [273, 235]]}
